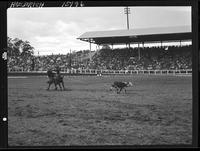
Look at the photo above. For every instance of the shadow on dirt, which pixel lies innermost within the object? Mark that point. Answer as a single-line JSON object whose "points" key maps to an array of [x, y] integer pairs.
{"points": [[59, 90]]}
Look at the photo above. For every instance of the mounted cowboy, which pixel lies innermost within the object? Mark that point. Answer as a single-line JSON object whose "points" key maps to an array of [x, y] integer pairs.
{"points": [[55, 77]]}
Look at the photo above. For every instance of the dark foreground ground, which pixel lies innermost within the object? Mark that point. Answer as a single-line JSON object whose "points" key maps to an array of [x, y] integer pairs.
{"points": [[157, 110]]}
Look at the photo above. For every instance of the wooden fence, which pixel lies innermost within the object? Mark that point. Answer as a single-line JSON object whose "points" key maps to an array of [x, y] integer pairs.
{"points": [[111, 72]]}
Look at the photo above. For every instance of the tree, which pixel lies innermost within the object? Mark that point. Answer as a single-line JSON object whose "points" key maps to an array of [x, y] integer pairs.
{"points": [[27, 49], [18, 47], [12, 49]]}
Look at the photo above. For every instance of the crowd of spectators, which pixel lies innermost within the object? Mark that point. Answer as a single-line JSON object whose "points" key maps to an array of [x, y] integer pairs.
{"points": [[74, 60], [154, 58], [19, 63]]}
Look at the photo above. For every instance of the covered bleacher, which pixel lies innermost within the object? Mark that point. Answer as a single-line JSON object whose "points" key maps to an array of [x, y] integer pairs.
{"points": [[138, 36], [132, 36]]}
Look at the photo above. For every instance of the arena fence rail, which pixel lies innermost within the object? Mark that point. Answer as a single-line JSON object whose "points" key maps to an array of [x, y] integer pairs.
{"points": [[106, 72]]}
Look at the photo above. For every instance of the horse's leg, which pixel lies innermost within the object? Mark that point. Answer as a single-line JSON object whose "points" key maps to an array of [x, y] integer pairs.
{"points": [[49, 82], [60, 86], [55, 85], [49, 86], [117, 90], [63, 85], [120, 90]]}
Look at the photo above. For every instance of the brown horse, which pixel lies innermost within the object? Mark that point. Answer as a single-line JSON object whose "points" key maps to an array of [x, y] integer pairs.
{"points": [[55, 79]]}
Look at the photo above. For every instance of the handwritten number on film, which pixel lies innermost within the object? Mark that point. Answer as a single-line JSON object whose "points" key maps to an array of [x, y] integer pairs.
{"points": [[72, 4]]}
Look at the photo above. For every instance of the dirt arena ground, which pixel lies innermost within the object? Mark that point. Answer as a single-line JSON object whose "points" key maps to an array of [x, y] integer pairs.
{"points": [[157, 110]]}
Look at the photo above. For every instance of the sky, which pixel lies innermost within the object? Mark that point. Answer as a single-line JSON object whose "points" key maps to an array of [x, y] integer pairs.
{"points": [[55, 30]]}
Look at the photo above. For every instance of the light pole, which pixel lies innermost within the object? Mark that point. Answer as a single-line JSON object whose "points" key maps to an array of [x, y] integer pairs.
{"points": [[127, 12]]}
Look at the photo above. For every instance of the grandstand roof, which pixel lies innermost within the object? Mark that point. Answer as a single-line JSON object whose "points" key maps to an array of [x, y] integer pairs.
{"points": [[138, 35]]}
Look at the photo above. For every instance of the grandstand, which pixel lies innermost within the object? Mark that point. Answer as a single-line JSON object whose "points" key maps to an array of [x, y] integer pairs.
{"points": [[172, 59]]}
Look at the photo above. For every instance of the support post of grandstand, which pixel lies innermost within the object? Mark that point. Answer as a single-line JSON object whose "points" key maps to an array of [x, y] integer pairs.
{"points": [[96, 48], [139, 50], [90, 50]]}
